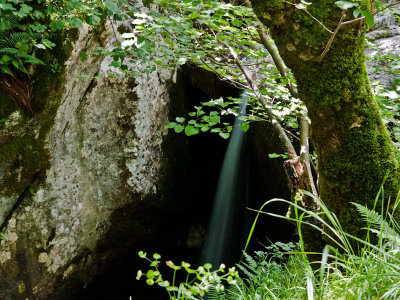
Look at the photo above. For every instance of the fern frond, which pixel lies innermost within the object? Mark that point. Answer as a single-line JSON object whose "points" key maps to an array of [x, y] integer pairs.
{"points": [[232, 293], [9, 51], [379, 225], [250, 260], [11, 40], [245, 270], [214, 294]]}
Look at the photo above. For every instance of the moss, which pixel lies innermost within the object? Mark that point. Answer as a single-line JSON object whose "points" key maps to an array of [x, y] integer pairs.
{"points": [[7, 106], [22, 146], [353, 146], [123, 29]]}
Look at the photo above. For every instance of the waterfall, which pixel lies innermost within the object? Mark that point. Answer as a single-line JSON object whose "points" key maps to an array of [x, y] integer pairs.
{"points": [[228, 212]]}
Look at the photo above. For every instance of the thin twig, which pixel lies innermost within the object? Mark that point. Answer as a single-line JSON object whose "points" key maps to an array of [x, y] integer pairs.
{"points": [[277, 60], [353, 21], [389, 6], [275, 57], [275, 123], [235, 83], [314, 18], [328, 45]]}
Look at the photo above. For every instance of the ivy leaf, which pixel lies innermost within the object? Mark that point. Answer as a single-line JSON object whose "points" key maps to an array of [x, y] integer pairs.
{"points": [[346, 4], [237, 23], [112, 8]]}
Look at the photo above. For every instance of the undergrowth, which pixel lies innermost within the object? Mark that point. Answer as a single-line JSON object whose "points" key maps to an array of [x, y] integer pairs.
{"points": [[286, 271]]}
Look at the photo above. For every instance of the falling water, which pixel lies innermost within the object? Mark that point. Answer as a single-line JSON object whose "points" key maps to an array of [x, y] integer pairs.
{"points": [[229, 202]]}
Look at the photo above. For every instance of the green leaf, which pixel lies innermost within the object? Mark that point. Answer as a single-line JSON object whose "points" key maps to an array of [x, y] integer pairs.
{"points": [[237, 23], [93, 20], [224, 135], [6, 70], [369, 18], [179, 128], [208, 266], [112, 8], [40, 46], [170, 125], [154, 263], [244, 126], [47, 43], [164, 283], [57, 25], [142, 254], [356, 12], [150, 281], [75, 23], [139, 274], [180, 119], [150, 274], [31, 190], [83, 55], [191, 130], [346, 4]]}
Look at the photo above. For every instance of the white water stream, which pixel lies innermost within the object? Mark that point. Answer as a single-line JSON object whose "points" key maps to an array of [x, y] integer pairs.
{"points": [[229, 199]]}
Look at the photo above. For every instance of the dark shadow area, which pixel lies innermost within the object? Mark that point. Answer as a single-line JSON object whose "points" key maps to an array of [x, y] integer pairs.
{"points": [[174, 221]]}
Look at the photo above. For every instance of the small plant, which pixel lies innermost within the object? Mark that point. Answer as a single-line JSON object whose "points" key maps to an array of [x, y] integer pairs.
{"points": [[198, 281]]}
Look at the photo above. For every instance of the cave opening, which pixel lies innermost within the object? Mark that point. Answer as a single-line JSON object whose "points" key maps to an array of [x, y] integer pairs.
{"points": [[177, 216]]}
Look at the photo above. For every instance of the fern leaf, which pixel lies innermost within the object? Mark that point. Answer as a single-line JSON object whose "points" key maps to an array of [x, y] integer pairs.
{"points": [[14, 38], [9, 51], [379, 225]]}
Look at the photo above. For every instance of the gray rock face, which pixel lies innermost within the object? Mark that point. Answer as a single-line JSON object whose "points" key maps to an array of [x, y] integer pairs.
{"points": [[104, 152], [385, 39]]}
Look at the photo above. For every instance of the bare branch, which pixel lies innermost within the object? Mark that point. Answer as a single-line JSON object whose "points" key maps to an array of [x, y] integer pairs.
{"points": [[390, 5], [275, 123], [307, 12], [275, 57], [305, 152], [328, 45], [353, 21]]}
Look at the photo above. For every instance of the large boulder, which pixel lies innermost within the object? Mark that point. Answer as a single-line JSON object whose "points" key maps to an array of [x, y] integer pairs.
{"points": [[89, 157]]}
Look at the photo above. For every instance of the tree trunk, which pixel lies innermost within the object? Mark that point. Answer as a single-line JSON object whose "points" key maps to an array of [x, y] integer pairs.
{"points": [[353, 145]]}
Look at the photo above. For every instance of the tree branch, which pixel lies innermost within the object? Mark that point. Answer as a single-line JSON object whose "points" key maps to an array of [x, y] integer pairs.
{"points": [[305, 152], [307, 12], [275, 57], [275, 123], [328, 45]]}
